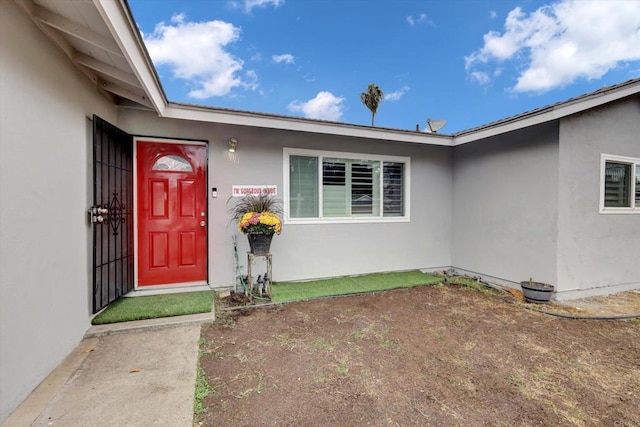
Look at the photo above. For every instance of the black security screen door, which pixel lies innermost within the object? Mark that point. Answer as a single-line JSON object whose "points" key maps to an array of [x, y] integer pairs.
{"points": [[112, 213]]}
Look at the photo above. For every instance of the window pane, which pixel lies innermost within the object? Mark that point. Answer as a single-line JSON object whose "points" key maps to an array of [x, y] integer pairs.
{"points": [[617, 184], [365, 192], [334, 187], [303, 187], [637, 186], [350, 187], [333, 172], [393, 183], [172, 163]]}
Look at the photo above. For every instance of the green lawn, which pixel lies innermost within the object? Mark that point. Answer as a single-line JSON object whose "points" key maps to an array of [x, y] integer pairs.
{"points": [[295, 291], [151, 307]]}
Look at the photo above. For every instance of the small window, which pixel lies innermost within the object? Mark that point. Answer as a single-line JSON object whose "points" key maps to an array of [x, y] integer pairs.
{"points": [[620, 184], [172, 163]]}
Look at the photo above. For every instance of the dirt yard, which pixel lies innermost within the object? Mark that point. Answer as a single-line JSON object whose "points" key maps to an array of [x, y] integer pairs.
{"points": [[432, 355]]}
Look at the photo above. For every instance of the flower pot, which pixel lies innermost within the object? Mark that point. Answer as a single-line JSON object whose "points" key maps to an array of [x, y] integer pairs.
{"points": [[259, 243], [537, 292]]}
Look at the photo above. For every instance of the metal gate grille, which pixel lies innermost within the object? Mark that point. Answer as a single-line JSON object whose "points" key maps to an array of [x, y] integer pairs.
{"points": [[112, 213]]}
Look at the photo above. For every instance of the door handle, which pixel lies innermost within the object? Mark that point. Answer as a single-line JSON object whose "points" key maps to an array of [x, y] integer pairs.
{"points": [[203, 223]]}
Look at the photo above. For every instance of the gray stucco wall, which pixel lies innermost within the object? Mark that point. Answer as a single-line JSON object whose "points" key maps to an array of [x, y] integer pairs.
{"points": [[505, 203], [45, 176], [597, 253], [321, 250]]}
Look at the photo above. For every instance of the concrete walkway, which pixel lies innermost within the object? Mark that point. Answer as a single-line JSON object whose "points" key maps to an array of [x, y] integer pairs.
{"points": [[126, 374]]}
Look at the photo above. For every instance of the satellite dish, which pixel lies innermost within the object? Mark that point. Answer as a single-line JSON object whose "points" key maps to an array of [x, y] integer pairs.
{"points": [[435, 125]]}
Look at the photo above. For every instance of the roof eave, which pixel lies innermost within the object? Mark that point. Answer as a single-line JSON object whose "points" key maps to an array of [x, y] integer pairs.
{"points": [[117, 16], [547, 114], [241, 118]]}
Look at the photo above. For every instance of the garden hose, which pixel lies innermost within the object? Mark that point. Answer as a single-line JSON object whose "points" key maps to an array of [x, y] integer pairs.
{"points": [[551, 313]]}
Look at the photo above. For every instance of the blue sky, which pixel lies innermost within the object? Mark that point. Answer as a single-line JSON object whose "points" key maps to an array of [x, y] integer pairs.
{"points": [[469, 62]]}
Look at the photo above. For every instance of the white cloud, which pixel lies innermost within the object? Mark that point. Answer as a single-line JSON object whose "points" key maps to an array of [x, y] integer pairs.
{"points": [[493, 14], [287, 58], [395, 96], [324, 106], [249, 5], [195, 52], [480, 77], [560, 43], [418, 19]]}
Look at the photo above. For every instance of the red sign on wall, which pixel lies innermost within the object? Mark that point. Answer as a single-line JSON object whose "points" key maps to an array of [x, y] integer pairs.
{"points": [[245, 190]]}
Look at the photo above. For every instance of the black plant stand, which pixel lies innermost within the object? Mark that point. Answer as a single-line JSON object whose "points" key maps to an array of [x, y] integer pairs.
{"points": [[264, 288]]}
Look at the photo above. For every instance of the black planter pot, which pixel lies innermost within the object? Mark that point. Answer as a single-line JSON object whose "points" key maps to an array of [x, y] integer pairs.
{"points": [[537, 292], [259, 244]]}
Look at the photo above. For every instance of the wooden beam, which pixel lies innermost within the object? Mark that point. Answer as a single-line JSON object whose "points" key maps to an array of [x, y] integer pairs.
{"points": [[58, 39], [122, 92], [76, 30], [107, 70]]}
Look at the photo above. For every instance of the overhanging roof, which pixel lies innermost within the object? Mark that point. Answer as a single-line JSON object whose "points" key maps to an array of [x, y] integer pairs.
{"points": [[79, 31], [102, 40], [550, 112]]}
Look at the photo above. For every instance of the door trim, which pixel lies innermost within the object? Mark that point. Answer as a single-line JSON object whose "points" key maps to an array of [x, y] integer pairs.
{"points": [[158, 140]]}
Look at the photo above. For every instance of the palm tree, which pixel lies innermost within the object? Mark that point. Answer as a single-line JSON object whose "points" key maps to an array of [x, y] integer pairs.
{"points": [[372, 99]]}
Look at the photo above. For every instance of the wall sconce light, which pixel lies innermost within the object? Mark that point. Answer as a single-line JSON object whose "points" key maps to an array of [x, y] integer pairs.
{"points": [[233, 143]]}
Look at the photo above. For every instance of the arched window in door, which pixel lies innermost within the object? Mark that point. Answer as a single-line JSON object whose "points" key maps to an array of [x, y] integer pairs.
{"points": [[172, 162]]}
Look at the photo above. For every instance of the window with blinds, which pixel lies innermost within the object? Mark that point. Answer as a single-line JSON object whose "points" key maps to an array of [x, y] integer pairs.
{"points": [[345, 187], [617, 184], [620, 191]]}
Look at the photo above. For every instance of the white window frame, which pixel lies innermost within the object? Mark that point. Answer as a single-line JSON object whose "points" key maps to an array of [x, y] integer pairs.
{"points": [[320, 154], [634, 162]]}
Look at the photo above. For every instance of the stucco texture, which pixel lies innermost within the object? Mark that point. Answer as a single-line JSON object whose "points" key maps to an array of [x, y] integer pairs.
{"points": [[45, 177], [597, 253], [505, 205]]}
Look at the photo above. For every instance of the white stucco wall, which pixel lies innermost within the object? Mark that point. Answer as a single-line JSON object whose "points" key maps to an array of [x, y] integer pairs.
{"points": [[45, 171], [304, 252], [597, 253], [505, 206]]}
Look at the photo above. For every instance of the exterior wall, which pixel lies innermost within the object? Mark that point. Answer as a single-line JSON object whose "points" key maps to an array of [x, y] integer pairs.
{"points": [[304, 252], [505, 206], [45, 172], [597, 253]]}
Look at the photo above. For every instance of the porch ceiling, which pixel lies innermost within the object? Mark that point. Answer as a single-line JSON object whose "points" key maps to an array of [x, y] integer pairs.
{"points": [[79, 31]]}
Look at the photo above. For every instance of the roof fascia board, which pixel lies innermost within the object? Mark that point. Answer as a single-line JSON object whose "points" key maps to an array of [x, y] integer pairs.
{"points": [[117, 18], [239, 118], [552, 113]]}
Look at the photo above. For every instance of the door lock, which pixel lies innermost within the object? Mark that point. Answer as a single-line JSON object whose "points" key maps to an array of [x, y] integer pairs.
{"points": [[203, 223], [98, 214]]}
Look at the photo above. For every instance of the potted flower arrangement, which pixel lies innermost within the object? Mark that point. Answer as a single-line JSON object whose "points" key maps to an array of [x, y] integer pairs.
{"points": [[258, 217]]}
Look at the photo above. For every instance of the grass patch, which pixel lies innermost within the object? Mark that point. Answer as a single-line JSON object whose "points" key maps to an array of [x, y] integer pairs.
{"points": [[295, 291], [203, 388], [155, 306]]}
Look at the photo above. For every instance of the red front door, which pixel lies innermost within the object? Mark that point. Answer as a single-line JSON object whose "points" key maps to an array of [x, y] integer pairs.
{"points": [[172, 214]]}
